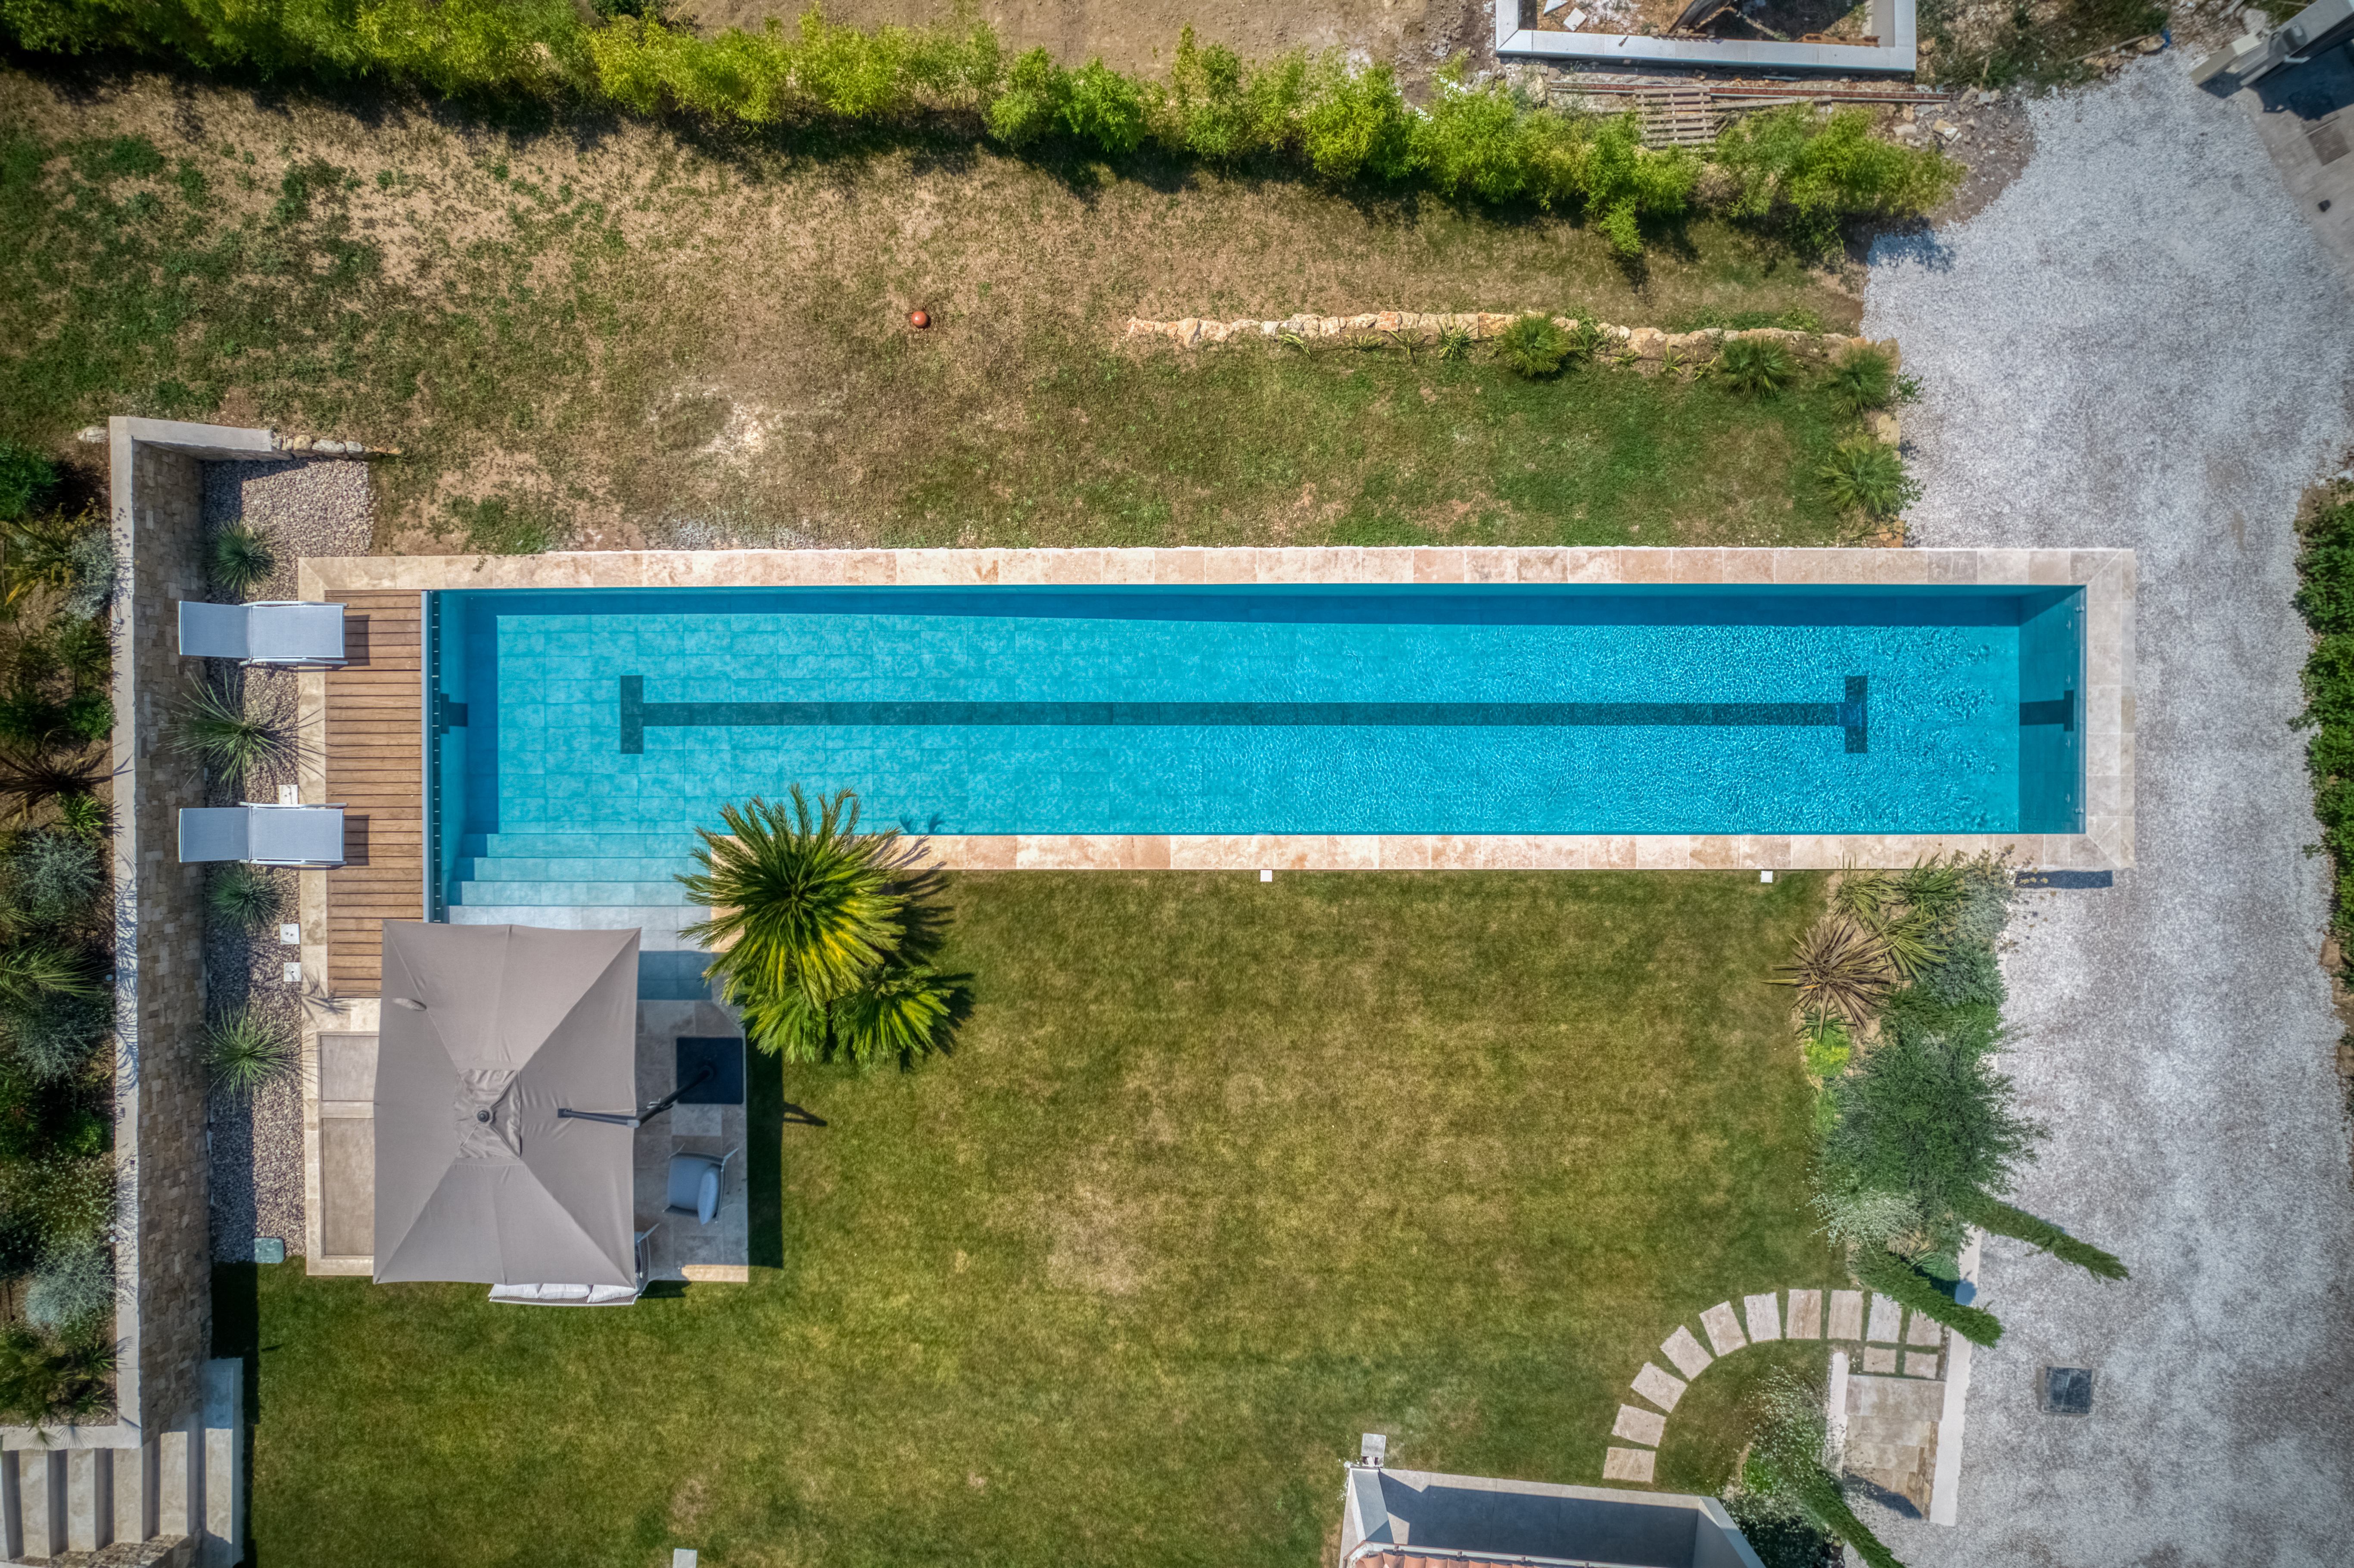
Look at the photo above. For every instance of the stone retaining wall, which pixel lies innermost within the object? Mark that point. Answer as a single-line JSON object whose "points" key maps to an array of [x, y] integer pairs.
{"points": [[1642, 348]]}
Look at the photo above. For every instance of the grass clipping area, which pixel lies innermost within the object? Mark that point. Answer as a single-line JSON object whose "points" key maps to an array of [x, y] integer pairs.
{"points": [[1220, 1175], [631, 338]]}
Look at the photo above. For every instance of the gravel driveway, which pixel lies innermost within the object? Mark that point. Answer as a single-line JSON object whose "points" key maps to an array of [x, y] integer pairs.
{"points": [[2140, 343]]}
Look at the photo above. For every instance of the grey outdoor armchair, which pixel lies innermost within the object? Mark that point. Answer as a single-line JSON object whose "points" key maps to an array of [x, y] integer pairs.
{"points": [[272, 631], [264, 835]]}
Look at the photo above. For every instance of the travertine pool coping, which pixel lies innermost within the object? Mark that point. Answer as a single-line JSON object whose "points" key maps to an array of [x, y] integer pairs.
{"points": [[2107, 577]]}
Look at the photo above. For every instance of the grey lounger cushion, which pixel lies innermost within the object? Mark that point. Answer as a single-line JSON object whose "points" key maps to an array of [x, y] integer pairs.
{"points": [[276, 631], [269, 835]]}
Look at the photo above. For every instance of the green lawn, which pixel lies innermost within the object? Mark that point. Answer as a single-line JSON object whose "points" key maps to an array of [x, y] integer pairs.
{"points": [[1221, 1174], [624, 336]]}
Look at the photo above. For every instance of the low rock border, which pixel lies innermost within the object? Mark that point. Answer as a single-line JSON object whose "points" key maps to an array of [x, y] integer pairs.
{"points": [[1636, 347]]}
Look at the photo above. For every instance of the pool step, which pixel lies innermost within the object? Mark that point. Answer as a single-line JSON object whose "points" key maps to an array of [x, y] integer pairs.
{"points": [[538, 894], [487, 868], [176, 1500]]}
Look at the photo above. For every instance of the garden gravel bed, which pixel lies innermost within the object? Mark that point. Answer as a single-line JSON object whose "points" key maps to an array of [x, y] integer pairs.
{"points": [[2140, 343], [302, 507]]}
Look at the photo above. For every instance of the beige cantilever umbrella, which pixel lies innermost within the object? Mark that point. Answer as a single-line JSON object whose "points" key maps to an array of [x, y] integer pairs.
{"points": [[488, 1031]]}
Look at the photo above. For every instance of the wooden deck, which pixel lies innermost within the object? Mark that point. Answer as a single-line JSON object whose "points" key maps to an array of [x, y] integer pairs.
{"points": [[375, 768]]}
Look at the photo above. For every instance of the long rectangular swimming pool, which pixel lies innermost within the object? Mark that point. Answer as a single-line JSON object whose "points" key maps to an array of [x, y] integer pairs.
{"points": [[578, 730]]}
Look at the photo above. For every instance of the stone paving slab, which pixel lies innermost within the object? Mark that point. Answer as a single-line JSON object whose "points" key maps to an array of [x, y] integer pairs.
{"points": [[1684, 1350], [1724, 1329], [1639, 1425], [1658, 1387], [1764, 1316], [1846, 1315], [1925, 1329], [1805, 1319], [1876, 1359], [1887, 1320], [1920, 1363], [1629, 1465]]}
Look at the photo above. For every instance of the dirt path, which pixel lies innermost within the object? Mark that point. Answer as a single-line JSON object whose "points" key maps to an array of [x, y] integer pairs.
{"points": [[2140, 343]]}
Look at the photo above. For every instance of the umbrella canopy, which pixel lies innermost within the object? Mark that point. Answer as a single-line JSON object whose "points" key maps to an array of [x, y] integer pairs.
{"points": [[476, 1176]]}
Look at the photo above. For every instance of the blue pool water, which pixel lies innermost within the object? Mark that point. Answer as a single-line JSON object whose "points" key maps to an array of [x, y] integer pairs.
{"points": [[585, 734]]}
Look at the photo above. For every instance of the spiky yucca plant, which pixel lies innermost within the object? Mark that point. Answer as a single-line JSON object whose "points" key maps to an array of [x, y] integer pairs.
{"points": [[247, 1053], [1839, 968], [215, 726], [245, 895], [240, 559]]}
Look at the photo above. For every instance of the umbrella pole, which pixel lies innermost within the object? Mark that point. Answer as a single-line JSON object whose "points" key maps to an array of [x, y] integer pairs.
{"points": [[622, 1119]]}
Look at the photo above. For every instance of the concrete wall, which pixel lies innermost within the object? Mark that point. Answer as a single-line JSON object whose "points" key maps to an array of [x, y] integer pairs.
{"points": [[1892, 20], [164, 1324], [1423, 1513]]}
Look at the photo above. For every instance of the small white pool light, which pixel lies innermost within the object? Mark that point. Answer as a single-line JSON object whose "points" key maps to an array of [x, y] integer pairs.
{"points": [[1765, 876], [1265, 874]]}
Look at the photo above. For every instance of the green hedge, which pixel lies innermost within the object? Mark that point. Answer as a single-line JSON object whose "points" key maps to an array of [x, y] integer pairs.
{"points": [[1483, 145], [2325, 596]]}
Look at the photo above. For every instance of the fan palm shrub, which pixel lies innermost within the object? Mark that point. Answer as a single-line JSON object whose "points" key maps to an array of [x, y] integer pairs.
{"points": [[1841, 970], [246, 1052], [1868, 477], [1533, 345], [800, 899], [811, 921], [240, 559], [1756, 366]]}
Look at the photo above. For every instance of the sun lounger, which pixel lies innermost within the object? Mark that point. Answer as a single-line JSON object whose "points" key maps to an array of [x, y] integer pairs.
{"points": [[264, 835], [274, 631]]}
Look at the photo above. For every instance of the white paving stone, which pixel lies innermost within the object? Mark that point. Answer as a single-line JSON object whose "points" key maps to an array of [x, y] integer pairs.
{"points": [[1639, 1425], [1925, 1329], [1724, 1329], [1627, 1465], [1880, 1362], [1805, 1319], [1887, 1320], [1764, 1316], [1920, 1363], [1684, 1350], [1658, 1387], [1846, 1315]]}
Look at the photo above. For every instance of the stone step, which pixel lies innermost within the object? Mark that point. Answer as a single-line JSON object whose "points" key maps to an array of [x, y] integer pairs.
{"points": [[569, 894], [531, 844], [176, 1500], [597, 868]]}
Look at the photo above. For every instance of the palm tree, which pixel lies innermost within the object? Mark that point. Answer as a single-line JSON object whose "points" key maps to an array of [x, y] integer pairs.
{"points": [[800, 901], [809, 918]]}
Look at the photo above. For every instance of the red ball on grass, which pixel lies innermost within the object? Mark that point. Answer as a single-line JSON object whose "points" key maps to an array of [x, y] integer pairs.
{"points": [[919, 319]]}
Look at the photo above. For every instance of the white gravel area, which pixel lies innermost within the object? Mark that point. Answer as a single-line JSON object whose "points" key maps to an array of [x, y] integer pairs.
{"points": [[303, 506], [2140, 343], [314, 506]]}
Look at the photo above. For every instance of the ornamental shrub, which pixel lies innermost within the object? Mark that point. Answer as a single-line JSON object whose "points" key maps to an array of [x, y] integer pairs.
{"points": [[1031, 102], [1104, 109], [24, 477], [1357, 122], [1813, 169]]}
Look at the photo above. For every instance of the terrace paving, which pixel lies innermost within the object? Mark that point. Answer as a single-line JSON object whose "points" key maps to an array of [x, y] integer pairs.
{"points": [[2142, 345]]}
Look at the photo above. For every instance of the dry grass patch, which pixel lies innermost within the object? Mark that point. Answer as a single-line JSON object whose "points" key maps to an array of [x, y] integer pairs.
{"points": [[637, 338]]}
